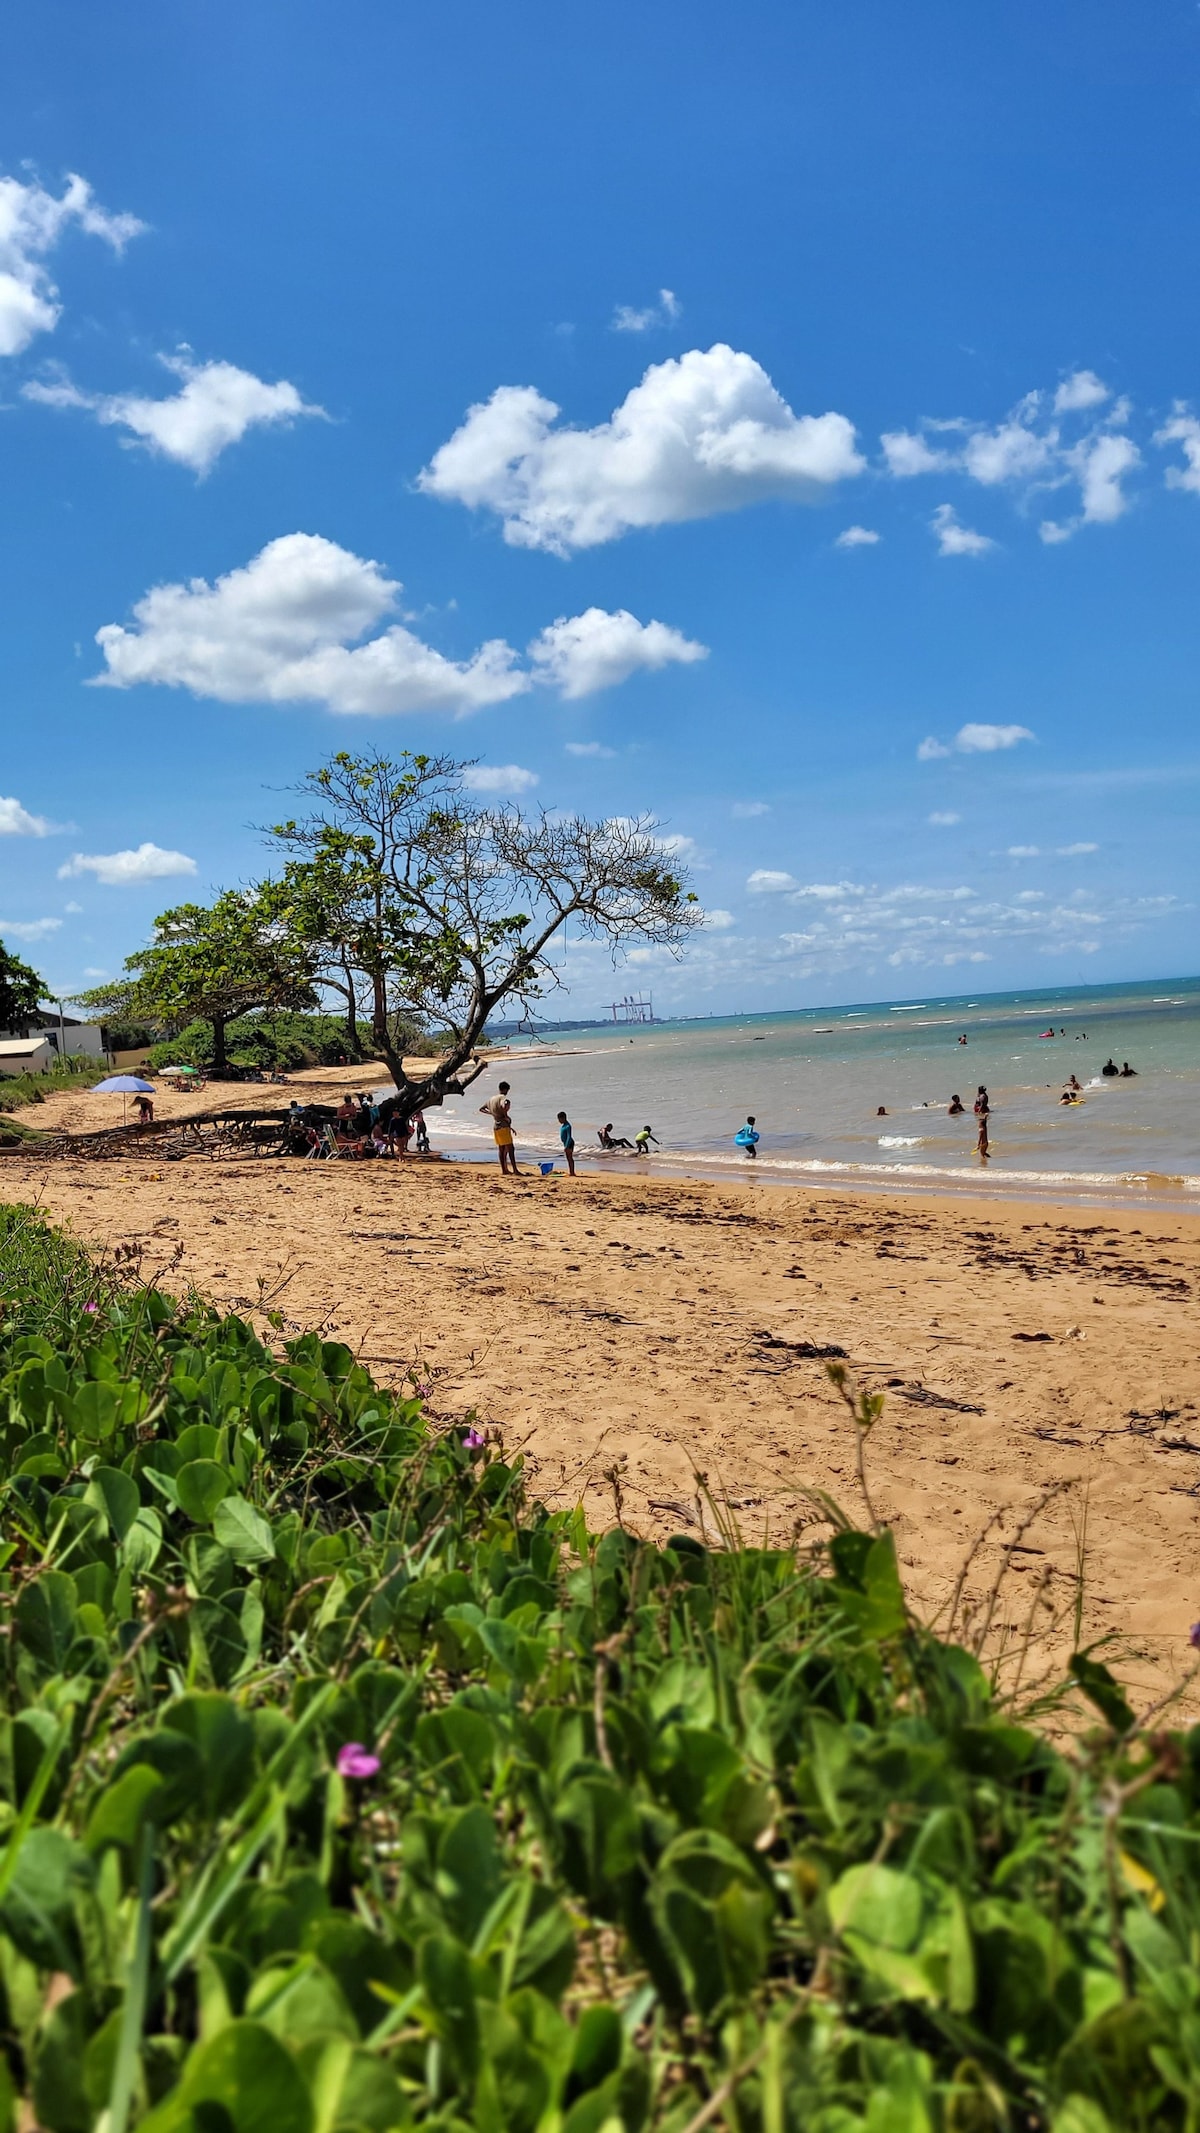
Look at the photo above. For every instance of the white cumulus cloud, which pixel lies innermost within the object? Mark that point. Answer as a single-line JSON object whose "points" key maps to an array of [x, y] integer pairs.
{"points": [[1010, 452], [1075, 851], [685, 849], [953, 538], [580, 654], [147, 862], [975, 738], [1023, 851], [749, 810], [595, 750], [32, 221], [858, 537], [770, 881], [1083, 389], [215, 406], [16, 821], [908, 454], [1183, 430], [28, 929], [627, 319], [1102, 465], [284, 628], [499, 777], [1071, 439], [944, 818], [978, 739], [719, 921], [703, 432]]}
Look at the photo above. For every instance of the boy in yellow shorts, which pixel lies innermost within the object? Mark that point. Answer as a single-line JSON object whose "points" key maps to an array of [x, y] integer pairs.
{"points": [[497, 1109]]}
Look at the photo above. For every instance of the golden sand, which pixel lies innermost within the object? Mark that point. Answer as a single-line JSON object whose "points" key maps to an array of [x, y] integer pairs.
{"points": [[630, 1333]]}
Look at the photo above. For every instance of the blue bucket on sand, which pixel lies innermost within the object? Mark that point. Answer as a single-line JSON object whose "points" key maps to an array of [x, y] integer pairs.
{"points": [[545, 1169]]}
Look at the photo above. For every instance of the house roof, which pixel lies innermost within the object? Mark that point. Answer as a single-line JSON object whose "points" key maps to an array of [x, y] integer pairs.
{"points": [[22, 1047]]}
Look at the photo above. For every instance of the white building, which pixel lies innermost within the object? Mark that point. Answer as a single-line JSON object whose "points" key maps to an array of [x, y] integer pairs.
{"points": [[25, 1055], [60, 1036]]}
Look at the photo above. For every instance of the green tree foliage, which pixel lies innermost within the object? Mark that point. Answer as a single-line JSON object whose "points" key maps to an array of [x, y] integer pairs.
{"points": [[212, 963], [344, 1788], [285, 1039], [21, 989], [441, 908]]}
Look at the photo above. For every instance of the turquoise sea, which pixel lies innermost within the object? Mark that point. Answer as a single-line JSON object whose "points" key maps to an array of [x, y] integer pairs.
{"points": [[815, 1080]]}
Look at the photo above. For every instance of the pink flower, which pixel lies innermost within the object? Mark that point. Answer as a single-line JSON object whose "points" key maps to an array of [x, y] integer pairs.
{"points": [[91, 1307], [355, 1761], [474, 1440]]}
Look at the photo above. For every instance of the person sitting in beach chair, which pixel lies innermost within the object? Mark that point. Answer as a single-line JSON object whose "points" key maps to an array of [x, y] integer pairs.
{"points": [[605, 1137]]}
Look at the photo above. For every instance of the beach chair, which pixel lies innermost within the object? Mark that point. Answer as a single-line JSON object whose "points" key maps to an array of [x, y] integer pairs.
{"points": [[324, 1144]]}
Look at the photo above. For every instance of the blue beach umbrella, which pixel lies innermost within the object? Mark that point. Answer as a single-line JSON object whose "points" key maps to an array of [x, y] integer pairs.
{"points": [[123, 1085]]}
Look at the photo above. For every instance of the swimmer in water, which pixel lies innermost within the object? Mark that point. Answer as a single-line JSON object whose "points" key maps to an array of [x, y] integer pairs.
{"points": [[1128, 1073], [747, 1138], [957, 1107]]}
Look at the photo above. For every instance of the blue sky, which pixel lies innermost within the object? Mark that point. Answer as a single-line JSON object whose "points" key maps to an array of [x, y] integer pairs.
{"points": [[526, 383]]}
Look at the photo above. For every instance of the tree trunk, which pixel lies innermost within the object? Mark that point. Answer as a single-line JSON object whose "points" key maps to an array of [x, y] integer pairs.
{"points": [[351, 1015], [447, 1078], [220, 1064]]}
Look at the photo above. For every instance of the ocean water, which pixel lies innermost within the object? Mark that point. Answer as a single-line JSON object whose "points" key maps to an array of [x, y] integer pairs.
{"points": [[815, 1079]]}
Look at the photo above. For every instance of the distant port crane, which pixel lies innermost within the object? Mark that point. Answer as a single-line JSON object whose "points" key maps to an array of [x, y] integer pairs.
{"points": [[634, 1008]]}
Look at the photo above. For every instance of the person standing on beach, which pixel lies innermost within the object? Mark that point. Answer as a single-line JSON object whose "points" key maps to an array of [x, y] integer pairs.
{"points": [[497, 1108], [567, 1137], [643, 1140], [982, 1114], [422, 1131]]}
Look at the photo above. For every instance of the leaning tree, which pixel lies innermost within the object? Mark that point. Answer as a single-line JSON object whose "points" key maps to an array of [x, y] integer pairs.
{"points": [[212, 963], [445, 906]]}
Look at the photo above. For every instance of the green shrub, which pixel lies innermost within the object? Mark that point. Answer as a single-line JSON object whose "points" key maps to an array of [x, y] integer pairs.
{"points": [[285, 1041], [345, 1787]]}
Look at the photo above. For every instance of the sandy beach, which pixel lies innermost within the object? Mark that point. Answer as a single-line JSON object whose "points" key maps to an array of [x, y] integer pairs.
{"points": [[631, 1333]]}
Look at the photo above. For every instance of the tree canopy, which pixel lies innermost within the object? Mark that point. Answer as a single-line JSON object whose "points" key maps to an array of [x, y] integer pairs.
{"points": [[440, 907], [21, 989], [212, 963]]}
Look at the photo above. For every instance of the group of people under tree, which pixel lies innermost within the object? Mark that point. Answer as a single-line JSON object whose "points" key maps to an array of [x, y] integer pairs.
{"points": [[360, 1126]]}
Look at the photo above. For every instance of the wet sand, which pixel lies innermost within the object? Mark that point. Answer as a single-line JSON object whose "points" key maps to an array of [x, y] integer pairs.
{"points": [[632, 1333]]}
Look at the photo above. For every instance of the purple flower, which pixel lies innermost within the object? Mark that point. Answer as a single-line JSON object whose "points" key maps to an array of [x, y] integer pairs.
{"points": [[355, 1761], [1194, 1636], [91, 1307], [474, 1440]]}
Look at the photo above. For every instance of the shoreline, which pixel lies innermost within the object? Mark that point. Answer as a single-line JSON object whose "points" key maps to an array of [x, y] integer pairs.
{"points": [[1147, 1192], [78, 1111]]}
